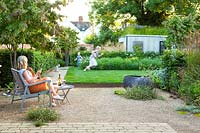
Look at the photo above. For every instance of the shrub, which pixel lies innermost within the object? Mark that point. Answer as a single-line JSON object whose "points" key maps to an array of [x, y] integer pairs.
{"points": [[138, 50], [151, 54], [119, 63], [5, 70], [82, 48], [141, 93], [42, 115], [45, 61], [149, 63], [120, 92], [113, 54], [189, 108], [172, 61], [190, 86], [191, 93], [159, 77]]}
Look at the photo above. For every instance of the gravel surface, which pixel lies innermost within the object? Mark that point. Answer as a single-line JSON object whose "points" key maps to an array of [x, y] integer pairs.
{"points": [[102, 105]]}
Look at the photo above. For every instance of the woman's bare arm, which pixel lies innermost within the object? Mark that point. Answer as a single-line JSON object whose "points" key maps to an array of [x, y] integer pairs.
{"points": [[28, 77]]}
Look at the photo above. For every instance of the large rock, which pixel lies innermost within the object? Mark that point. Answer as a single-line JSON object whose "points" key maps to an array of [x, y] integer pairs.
{"points": [[131, 81]]}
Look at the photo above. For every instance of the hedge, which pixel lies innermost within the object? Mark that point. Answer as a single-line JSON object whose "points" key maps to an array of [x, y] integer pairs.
{"points": [[35, 59]]}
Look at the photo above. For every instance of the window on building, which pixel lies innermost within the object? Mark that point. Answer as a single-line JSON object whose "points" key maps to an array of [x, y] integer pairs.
{"points": [[137, 45]]}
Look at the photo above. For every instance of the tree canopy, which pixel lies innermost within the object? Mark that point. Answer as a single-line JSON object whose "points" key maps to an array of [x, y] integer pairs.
{"points": [[116, 14], [29, 22]]}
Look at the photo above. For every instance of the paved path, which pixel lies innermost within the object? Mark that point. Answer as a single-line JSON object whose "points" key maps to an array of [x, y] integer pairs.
{"points": [[87, 128]]}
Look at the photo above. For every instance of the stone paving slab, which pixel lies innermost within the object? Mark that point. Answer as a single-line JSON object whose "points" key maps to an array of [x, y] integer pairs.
{"points": [[87, 128]]}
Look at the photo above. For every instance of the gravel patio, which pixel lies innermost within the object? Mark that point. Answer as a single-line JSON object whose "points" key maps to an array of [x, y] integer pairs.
{"points": [[102, 105]]}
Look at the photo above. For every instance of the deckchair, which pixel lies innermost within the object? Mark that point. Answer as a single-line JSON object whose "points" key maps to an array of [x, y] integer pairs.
{"points": [[21, 89]]}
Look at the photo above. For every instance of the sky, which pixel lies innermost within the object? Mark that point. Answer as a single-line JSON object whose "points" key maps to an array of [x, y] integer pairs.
{"points": [[75, 9]]}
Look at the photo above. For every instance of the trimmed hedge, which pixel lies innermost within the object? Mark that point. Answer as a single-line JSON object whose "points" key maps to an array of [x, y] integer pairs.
{"points": [[112, 54], [119, 63]]}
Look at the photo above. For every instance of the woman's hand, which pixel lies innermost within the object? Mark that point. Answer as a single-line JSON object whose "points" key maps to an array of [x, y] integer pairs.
{"points": [[38, 74]]}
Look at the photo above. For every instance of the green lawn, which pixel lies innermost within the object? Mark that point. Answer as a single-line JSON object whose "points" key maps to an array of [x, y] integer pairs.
{"points": [[76, 75]]}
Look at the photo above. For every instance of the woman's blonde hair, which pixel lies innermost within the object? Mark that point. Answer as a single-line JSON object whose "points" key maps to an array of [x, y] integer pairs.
{"points": [[21, 61]]}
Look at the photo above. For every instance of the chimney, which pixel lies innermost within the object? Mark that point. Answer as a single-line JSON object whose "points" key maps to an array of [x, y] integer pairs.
{"points": [[80, 18]]}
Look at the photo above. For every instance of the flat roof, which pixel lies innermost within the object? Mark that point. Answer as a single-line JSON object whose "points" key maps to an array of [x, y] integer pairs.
{"points": [[134, 35]]}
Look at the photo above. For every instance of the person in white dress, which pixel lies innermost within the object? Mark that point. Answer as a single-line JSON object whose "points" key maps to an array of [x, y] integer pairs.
{"points": [[93, 56]]}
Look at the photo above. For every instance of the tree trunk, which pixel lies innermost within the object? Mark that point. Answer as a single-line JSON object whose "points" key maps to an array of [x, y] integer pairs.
{"points": [[11, 60], [15, 59], [66, 57]]}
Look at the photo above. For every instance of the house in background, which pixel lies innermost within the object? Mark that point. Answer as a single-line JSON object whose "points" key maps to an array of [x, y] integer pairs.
{"points": [[149, 43], [83, 28], [77, 18]]}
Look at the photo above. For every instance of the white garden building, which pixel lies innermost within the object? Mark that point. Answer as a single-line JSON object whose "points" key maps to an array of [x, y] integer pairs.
{"points": [[149, 43]]}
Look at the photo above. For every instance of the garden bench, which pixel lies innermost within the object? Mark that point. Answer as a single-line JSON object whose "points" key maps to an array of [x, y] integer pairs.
{"points": [[21, 89]]}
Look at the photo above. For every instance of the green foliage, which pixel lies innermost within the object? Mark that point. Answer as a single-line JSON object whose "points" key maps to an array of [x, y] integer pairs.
{"points": [[114, 15], [113, 54], [119, 63], [82, 48], [145, 30], [42, 115], [39, 123], [5, 70], [73, 56], [159, 77], [173, 58], [36, 60], [191, 93], [138, 50], [67, 39], [179, 28], [120, 92], [108, 35], [141, 93], [27, 22], [149, 63], [92, 39], [145, 12], [10, 86], [189, 108], [185, 7], [172, 61], [190, 86], [45, 61]]}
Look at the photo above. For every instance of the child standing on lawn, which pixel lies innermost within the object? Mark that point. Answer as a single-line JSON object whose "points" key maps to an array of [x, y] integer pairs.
{"points": [[79, 59]]}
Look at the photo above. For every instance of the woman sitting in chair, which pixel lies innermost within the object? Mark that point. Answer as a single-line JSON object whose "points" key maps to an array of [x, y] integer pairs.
{"points": [[22, 63]]}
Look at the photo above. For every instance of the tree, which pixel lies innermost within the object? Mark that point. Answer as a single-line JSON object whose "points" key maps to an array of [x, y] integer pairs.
{"points": [[27, 22], [114, 15], [146, 12], [186, 7], [92, 39], [66, 41]]}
